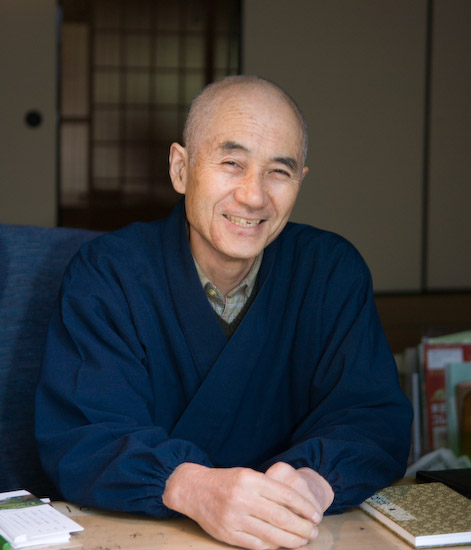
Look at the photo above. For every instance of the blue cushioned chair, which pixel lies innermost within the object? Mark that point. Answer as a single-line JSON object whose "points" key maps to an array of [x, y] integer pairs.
{"points": [[32, 260]]}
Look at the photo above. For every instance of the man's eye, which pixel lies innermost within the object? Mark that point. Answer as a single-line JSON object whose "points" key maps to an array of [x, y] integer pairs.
{"points": [[230, 163], [282, 172]]}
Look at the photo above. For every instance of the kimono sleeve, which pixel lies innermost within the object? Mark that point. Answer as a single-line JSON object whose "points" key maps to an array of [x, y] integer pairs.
{"points": [[96, 434], [356, 433]]}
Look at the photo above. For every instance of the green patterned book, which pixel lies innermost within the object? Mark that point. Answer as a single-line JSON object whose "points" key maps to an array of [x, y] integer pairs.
{"points": [[424, 515]]}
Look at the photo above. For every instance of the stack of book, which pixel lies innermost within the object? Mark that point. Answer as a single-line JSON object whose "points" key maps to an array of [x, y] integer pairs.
{"points": [[27, 521], [436, 376]]}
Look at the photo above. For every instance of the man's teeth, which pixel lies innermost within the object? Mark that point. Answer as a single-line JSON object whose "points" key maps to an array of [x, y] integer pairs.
{"points": [[244, 222]]}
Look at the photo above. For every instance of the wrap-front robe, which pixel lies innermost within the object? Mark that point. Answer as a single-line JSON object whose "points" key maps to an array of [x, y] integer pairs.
{"points": [[138, 376]]}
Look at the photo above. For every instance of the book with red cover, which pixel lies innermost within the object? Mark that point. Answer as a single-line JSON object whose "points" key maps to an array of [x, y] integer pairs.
{"points": [[436, 354]]}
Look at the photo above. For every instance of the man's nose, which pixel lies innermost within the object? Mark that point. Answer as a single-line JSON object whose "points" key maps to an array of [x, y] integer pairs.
{"points": [[251, 190]]}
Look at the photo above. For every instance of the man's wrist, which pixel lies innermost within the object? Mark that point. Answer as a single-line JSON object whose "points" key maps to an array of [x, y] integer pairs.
{"points": [[179, 486], [320, 486]]}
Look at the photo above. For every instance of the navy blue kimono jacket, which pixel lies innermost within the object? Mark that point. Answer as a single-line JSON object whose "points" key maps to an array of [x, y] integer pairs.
{"points": [[139, 377]]}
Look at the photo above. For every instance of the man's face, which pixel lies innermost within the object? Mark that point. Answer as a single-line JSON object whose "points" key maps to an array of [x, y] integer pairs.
{"points": [[243, 181]]}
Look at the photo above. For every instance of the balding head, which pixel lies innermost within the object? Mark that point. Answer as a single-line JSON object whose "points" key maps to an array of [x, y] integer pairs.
{"points": [[210, 99], [240, 170]]}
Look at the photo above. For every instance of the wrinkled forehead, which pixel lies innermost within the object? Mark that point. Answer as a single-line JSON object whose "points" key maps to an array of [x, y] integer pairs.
{"points": [[254, 109]]}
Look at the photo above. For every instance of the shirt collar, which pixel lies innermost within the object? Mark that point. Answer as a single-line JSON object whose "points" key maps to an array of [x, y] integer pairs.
{"points": [[247, 284]]}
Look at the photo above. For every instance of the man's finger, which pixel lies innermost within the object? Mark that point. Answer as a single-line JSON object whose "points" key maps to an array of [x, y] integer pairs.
{"points": [[287, 474], [272, 536], [283, 505]]}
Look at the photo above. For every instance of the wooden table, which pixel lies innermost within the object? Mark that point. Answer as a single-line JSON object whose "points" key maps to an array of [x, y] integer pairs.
{"points": [[353, 530]]}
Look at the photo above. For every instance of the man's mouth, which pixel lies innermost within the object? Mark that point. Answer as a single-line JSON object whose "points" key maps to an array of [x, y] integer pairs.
{"points": [[243, 222]]}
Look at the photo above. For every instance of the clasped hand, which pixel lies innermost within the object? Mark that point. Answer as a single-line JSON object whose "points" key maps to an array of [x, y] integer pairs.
{"points": [[242, 507]]}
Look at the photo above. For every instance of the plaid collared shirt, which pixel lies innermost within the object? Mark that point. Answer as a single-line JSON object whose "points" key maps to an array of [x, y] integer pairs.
{"points": [[229, 307]]}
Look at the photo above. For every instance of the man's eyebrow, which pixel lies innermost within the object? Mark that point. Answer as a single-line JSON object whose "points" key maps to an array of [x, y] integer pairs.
{"points": [[232, 145], [290, 162]]}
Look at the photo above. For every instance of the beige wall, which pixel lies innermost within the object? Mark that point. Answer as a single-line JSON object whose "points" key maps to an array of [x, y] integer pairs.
{"points": [[358, 70], [27, 155]]}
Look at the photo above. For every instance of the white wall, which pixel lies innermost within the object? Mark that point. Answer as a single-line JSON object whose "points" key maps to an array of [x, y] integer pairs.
{"points": [[28, 69], [357, 71]]}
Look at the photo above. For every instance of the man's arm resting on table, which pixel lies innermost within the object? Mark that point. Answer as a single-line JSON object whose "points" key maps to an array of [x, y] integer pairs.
{"points": [[247, 508]]}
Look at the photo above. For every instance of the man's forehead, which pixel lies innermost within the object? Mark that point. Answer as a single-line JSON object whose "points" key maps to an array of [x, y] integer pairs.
{"points": [[251, 121]]}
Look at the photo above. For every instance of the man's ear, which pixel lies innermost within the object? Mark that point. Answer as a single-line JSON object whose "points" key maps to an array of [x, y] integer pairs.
{"points": [[305, 171], [178, 167]]}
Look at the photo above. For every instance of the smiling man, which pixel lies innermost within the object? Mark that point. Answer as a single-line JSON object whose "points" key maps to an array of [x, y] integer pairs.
{"points": [[239, 192], [224, 364]]}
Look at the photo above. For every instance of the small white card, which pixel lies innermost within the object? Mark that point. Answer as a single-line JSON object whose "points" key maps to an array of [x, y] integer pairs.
{"points": [[27, 521]]}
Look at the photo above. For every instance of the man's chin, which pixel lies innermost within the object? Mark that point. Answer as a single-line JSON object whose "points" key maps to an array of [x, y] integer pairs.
{"points": [[242, 253]]}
